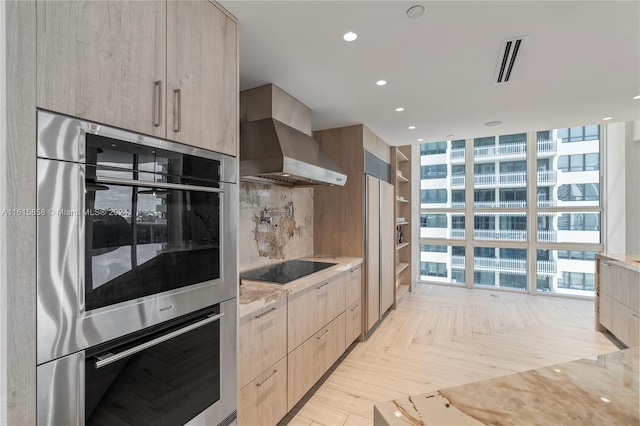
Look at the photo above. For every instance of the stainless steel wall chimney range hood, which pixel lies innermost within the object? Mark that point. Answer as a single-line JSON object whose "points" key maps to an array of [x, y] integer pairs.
{"points": [[276, 146]]}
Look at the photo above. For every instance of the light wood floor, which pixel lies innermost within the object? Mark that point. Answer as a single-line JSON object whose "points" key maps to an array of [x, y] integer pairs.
{"points": [[441, 337]]}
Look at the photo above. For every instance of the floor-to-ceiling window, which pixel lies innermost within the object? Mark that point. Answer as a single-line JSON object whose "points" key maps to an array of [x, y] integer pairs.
{"points": [[519, 211]]}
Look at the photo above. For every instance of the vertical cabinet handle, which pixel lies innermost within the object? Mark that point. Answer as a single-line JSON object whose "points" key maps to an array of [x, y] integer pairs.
{"points": [[157, 103], [177, 110]]}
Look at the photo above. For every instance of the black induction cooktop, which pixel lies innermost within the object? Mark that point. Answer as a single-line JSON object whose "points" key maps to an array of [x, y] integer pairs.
{"points": [[285, 272]]}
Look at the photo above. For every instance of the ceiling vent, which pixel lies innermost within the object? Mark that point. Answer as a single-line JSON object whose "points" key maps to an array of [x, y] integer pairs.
{"points": [[510, 51]]}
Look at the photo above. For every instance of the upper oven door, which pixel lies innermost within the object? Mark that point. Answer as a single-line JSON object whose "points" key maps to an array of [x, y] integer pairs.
{"points": [[153, 221], [116, 253]]}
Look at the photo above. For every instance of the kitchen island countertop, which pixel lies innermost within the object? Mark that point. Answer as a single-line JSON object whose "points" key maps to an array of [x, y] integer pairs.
{"points": [[628, 261], [602, 390], [255, 295]]}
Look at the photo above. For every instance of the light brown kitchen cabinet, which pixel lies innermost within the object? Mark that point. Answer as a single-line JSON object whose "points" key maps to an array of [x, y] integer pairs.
{"points": [[373, 252], [262, 338], [202, 89], [103, 61], [309, 361], [353, 300], [358, 219], [618, 300], [354, 286], [312, 308], [353, 323], [167, 69], [380, 282], [264, 400]]}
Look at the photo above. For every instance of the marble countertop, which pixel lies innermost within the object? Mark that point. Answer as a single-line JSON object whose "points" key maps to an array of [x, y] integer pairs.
{"points": [[602, 390], [255, 295], [628, 261]]}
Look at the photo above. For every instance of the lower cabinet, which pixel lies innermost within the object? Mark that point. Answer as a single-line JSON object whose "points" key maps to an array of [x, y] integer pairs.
{"points": [[619, 301], [353, 323], [288, 345], [264, 400], [309, 361]]}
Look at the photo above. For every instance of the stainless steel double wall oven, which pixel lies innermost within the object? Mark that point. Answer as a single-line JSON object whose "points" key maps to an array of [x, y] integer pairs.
{"points": [[137, 278]]}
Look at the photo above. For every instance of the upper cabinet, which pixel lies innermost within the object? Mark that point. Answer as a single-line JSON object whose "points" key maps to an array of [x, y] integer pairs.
{"points": [[167, 69], [101, 61], [202, 73]]}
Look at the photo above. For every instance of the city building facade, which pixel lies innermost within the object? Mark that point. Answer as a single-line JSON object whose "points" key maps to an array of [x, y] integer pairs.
{"points": [[520, 211]]}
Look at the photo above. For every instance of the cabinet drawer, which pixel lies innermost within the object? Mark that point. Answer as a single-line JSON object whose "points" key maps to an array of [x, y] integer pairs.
{"points": [[264, 401], [606, 311], [262, 340], [309, 361], [314, 307], [354, 286], [353, 323], [621, 284], [626, 325]]}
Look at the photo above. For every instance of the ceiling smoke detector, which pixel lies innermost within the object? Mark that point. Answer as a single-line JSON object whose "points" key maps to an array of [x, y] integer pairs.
{"points": [[415, 11], [510, 51]]}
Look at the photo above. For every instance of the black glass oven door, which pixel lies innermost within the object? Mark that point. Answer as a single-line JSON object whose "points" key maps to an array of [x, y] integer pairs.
{"points": [[143, 240], [167, 383]]}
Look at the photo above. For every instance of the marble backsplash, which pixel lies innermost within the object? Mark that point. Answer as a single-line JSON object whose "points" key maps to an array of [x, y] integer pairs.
{"points": [[286, 237]]}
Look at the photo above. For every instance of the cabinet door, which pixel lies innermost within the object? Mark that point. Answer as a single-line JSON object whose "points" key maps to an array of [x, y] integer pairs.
{"points": [[387, 247], [202, 76], [262, 340], [354, 286], [373, 252], [104, 61], [264, 400], [309, 361], [353, 323], [606, 311], [312, 308]]}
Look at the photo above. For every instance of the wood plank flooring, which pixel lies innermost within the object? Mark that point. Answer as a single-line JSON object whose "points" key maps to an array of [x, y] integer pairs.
{"points": [[441, 337]]}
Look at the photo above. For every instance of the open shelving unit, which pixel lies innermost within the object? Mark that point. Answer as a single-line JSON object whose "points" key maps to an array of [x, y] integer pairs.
{"points": [[401, 174]]}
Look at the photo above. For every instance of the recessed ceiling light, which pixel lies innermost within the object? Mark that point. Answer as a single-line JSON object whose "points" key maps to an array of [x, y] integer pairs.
{"points": [[636, 97], [412, 127], [420, 140], [350, 36], [607, 118], [399, 109], [381, 82], [493, 123], [415, 11]]}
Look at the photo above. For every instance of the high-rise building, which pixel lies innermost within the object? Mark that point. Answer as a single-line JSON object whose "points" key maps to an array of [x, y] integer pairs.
{"points": [[518, 211]]}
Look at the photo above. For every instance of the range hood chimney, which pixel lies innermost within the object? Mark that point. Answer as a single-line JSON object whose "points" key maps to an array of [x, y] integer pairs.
{"points": [[276, 146]]}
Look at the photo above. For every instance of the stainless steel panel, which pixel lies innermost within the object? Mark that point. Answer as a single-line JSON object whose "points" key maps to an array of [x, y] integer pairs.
{"points": [[228, 402], [63, 138], [63, 326], [61, 383], [271, 101], [60, 391], [271, 150]]}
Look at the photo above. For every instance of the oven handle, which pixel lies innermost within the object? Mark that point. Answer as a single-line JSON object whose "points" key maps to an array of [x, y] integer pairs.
{"points": [[162, 185], [110, 358]]}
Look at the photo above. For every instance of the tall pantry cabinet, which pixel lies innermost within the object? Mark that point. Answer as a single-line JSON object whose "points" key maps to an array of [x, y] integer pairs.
{"points": [[358, 219]]}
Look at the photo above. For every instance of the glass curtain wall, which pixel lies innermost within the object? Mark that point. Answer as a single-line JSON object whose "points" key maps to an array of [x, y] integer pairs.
{"points": [[519, 212]]}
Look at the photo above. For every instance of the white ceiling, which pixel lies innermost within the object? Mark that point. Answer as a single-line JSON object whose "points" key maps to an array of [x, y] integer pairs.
{"points": [[581, 62]]}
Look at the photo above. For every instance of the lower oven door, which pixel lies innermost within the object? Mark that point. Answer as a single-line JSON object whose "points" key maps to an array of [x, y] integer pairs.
{"points": [[179, 372]]}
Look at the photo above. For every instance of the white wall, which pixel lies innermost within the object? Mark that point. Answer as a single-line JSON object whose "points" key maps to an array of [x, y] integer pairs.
{"points": [[622, 195], [632, 189]]}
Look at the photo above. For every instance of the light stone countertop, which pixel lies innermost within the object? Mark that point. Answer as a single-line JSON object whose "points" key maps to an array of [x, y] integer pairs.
{"points": [[628, 261], [602, 390], [255, 295]]}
